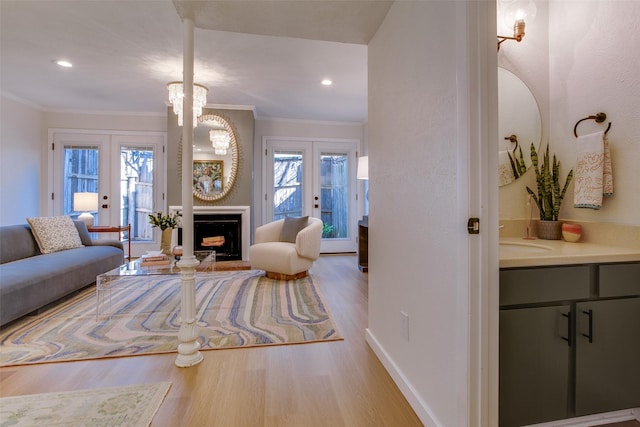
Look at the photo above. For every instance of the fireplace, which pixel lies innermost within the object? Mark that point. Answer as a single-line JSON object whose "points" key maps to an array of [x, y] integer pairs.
{"points": [[223, 229], [221, 233]]}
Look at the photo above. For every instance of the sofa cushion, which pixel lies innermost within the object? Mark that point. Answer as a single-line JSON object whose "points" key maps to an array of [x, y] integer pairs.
{"points": [[85, 238], [17, 242], [30, 283], [55, 233], [291, 227]]}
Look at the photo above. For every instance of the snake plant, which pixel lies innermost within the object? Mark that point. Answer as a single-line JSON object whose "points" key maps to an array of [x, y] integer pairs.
{"points": [[549, 197]]}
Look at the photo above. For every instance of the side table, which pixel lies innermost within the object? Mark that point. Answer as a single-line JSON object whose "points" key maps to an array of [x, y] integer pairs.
{"points": [[114, 229]]}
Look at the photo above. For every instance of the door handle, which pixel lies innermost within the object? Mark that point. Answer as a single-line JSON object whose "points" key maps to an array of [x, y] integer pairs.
{"points": [[590, 334], [568, 337]]}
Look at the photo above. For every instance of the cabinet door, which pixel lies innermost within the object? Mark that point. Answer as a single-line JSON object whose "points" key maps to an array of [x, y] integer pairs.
{"points": [[534, 365], [608, 367]]}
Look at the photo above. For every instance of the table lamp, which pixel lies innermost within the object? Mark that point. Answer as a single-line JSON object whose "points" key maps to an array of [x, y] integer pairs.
{"points": [[85, 203]]}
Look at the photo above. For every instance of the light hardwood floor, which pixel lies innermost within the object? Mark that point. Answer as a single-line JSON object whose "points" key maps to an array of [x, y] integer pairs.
{"points": [[333, 384]]}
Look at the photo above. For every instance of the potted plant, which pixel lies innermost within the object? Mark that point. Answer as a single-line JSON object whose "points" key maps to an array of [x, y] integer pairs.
{"points": [[166, 223], [549, 196]]}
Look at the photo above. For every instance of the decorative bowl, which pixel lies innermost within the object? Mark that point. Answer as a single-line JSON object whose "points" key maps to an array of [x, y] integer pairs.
{"points": [[571, 232]]}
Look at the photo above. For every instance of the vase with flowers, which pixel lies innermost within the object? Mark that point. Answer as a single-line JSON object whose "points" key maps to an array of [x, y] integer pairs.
{"points": [[166, 223], [549, 196]]}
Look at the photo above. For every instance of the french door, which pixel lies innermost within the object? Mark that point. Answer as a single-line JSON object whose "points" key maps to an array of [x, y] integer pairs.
{"points": [[126, 170], [315, 178]]}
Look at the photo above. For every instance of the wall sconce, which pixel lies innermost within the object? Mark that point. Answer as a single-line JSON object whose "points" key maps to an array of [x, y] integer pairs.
{"points": [[514, 13], [518, 32]]}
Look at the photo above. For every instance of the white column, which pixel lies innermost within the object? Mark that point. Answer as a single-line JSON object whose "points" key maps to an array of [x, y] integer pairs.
{"points": [[189, 346]]}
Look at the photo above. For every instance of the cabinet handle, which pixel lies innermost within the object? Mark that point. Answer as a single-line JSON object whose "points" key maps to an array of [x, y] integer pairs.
{"points": [[568, 337], [590, 334]]}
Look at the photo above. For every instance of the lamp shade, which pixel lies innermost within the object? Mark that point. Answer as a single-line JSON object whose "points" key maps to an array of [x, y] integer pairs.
{"points": [[363, 167], [84, 202]]}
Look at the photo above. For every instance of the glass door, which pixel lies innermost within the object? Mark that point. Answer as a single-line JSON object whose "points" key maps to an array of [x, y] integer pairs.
{"points": [[314, 178], [81, 166], [124, 171], [139, 188], [334, 190]]}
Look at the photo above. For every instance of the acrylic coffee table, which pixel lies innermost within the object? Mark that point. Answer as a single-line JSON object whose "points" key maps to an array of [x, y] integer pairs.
{"points": [[133, 274]]}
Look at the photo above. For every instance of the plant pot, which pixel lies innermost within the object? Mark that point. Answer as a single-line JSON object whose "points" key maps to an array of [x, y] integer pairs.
{"points": [[549, 230], [165, 242]]}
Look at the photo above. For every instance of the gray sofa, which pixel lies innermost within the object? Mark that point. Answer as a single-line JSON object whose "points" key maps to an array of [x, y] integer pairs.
{"points": [[30, 280]]}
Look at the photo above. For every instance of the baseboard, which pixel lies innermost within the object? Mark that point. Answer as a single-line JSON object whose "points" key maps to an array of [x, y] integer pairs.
{"points": [[423, 411], [417, 404], [595, 419]]}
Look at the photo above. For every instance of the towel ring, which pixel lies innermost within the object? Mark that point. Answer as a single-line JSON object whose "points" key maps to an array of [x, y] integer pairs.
{"points": [[599, 118], [514, 140]]}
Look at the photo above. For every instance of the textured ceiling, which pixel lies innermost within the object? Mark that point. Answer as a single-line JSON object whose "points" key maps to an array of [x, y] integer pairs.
{"points": [[267, 54]]}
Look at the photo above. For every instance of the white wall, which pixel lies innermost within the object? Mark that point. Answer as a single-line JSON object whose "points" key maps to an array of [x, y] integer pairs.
{"points": [[295, 129], [24, 137], [415, 233], [592, 67], [22, 149]]}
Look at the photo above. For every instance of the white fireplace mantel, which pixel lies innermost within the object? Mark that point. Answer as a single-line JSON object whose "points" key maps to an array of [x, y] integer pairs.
{"points": [[244, 211]]}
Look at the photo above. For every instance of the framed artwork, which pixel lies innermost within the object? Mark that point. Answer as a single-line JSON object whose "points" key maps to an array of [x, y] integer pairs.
{"points": [[208, 178]]}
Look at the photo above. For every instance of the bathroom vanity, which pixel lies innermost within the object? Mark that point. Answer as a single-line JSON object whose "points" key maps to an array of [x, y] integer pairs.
{"points": [[569, 330]]}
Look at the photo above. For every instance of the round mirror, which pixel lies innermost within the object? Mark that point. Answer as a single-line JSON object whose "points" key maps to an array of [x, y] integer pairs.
{"points": [[215, 157], [519, 125]]}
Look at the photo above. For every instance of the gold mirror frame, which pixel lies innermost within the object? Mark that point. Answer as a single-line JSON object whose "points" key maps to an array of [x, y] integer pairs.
{"points": [[234, 148]]}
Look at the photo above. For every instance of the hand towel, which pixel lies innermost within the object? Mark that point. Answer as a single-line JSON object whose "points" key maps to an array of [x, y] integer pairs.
{"points": [[505, 171], [591, 172], [607, 189]]}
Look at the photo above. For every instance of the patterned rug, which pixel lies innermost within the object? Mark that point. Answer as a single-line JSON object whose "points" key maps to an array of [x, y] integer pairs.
{"points": [[234, 309], [130, 406]]}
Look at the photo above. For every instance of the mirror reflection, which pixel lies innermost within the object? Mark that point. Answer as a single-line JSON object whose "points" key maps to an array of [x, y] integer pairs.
{"points": [[215, 157], [519, 125]]}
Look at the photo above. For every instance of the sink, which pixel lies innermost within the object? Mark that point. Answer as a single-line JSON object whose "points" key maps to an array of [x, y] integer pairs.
{"points": [[523, 248]]}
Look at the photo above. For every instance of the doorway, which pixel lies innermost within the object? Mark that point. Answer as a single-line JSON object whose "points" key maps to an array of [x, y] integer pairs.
{"points": [[315, 178], [125, 170]]}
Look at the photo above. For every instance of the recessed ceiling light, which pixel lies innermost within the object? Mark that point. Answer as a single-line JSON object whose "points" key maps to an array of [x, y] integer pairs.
{"points": [[63, 63], [327, 82]]}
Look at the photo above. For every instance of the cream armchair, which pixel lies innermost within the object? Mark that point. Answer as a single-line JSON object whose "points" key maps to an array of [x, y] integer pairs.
{"points": [[285, 260]]}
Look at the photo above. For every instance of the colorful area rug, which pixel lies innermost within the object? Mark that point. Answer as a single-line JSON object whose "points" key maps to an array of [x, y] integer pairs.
{"points": [[234, 309], [130, 406]]}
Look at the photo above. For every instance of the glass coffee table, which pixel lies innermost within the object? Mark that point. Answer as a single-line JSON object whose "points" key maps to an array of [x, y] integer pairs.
{"points": [[133, 274]]}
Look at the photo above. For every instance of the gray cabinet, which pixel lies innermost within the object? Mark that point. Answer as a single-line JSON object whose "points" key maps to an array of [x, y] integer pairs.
{"points": [[608, 342], [534, 369], [569, 341]]}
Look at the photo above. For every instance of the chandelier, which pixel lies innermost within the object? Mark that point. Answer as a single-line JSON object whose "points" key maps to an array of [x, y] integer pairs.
{"points": [[220, 140], [176, 95]]}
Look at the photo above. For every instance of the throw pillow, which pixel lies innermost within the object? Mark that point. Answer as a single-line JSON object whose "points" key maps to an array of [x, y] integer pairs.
{"points": [[55, 233], [291, 227]]}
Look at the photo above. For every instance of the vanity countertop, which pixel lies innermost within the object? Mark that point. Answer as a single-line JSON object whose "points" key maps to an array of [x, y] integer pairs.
{"points": [[519, 252]]}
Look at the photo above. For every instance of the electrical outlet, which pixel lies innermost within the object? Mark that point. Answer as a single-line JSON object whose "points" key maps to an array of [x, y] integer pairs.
{"points": [[404, 325]]}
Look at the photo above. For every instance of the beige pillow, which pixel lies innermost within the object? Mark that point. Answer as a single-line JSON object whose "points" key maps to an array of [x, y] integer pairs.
{"points": [[55, 233]]}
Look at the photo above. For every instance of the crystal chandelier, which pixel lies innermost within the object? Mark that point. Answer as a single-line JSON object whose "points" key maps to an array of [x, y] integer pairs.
{"points": [[176, 96], [220, 140]]}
